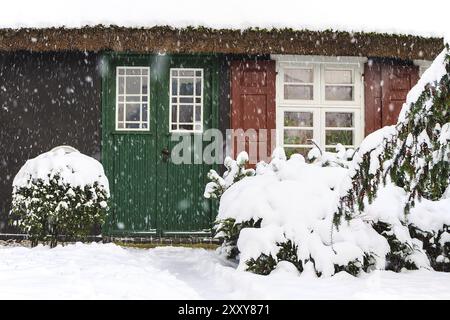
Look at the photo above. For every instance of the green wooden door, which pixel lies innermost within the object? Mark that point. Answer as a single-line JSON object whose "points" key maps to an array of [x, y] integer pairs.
{"points": [[151, 192]]}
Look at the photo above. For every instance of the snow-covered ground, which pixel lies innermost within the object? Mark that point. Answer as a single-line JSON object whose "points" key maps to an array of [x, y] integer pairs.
{"points": [[107, 271]]}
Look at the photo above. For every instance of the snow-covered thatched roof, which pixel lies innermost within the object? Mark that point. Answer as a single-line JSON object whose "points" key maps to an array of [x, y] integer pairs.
{"points": [[387, 29]]}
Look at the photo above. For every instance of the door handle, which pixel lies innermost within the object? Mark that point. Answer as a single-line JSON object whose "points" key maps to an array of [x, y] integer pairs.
{"points": [[165, 154]]}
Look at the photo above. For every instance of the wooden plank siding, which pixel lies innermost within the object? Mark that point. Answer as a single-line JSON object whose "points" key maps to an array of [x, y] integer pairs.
{"points": [[54, 98], [46, 100], [253, 105], [386, 84]]}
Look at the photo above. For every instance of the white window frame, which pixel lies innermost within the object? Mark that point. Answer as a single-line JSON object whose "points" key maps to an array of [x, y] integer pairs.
{"points": [[301, 65], [315, 128], [356, 75], [140, 95], [357, 138], [194, 124], [319, 104]]}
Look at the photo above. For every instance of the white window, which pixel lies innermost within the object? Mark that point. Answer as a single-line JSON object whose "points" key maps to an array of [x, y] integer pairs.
{"points": [[132, 98], [298, 83], [339, 126], [298, 127], [319, 98], [186, 100], [339, 83]]}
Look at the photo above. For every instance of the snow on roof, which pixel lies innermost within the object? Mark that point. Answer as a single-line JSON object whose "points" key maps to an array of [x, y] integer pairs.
{"points": [[348, 15]]}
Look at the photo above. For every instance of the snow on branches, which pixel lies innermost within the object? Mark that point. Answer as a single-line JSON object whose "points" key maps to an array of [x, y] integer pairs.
{"points": [[410, 159], [61, 193]]}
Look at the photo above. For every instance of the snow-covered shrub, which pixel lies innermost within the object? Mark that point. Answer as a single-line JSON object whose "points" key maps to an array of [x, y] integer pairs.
{"points": [[227, 229], [340, 158], [400, 175], [285, 213], [61, 193], [389, 208], [235, 171], [265, 264]]}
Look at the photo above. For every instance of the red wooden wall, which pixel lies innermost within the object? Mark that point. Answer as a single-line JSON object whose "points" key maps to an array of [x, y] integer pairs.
{"points": [[386, 84], [253, 107]]}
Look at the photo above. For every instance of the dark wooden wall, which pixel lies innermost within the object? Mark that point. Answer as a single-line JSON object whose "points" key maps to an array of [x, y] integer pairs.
{"points": [[386, 84], [46, 100]]}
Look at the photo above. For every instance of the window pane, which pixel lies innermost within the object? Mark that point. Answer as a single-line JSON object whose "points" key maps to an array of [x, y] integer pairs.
{"points": [[198, 113], [298, 92], [133, 71], [301, 150], [186, 113], [339, 93], [186, 100], [120, 112], [338, 77], [344, 137], [186, 87], [144, 85], [133, 98], [174, 87], [121, 71], [174, 113], [121, 85], [297, 136], [188, 127], [133, 112], [132, 126], [339, 119], [198, 87], [186, 73], [298, 119], [299, 75], [133, 85], [144, 112]]}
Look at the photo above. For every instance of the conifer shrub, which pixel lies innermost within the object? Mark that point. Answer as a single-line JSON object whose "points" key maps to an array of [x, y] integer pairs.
{"points": [[227, 230], [265, 264], [414, 155], [59, 196]]}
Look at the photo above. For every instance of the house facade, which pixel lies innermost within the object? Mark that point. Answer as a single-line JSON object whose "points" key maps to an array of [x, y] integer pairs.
{"points": [[126, 96]]}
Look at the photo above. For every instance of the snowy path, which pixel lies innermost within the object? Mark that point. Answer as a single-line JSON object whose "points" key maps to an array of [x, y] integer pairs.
{"points": [[111, 272]]}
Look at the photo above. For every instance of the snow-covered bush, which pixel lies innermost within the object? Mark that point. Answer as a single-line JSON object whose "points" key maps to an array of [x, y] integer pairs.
{"points": [[235, 171], [399, 177], [285, 213], [384, 206], [340, 158], [61, 193], [227, 229]]}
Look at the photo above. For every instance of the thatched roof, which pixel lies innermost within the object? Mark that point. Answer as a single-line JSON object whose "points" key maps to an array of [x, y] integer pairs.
{"points": [[206, 40]]}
